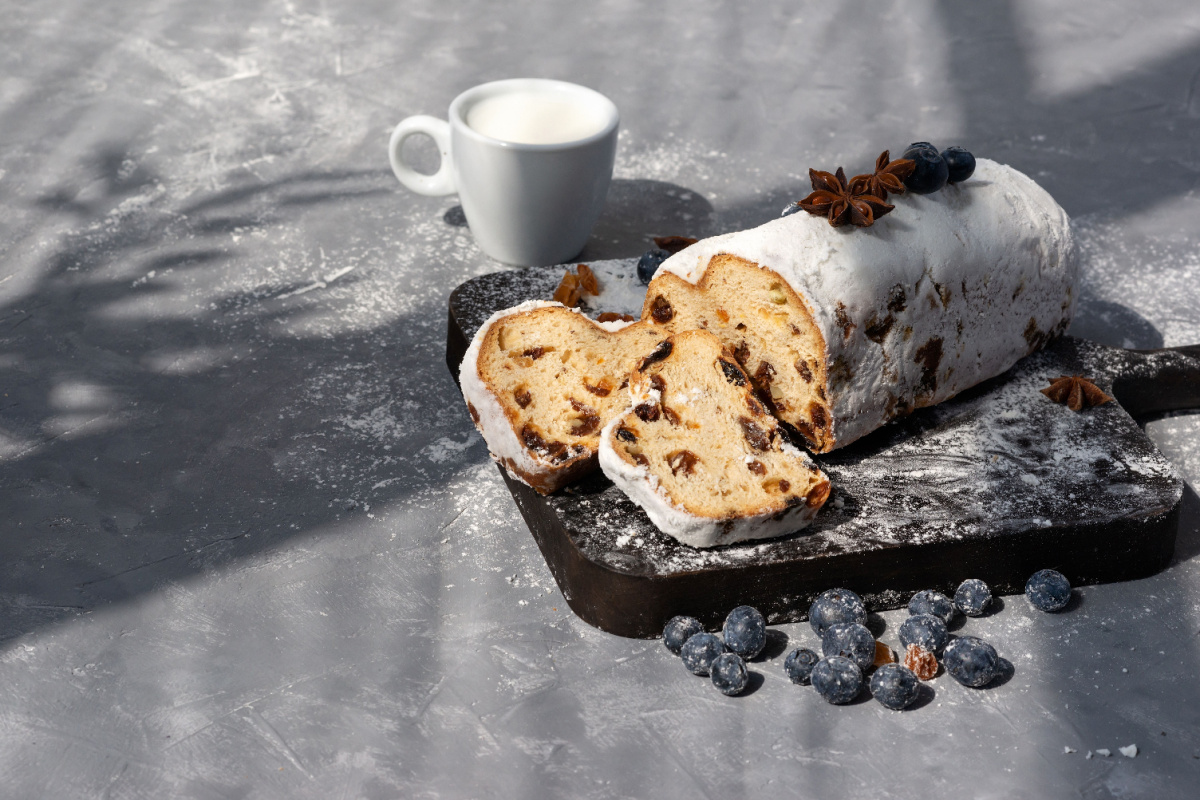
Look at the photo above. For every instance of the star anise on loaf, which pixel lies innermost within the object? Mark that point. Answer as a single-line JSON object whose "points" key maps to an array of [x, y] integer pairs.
{"points": [[888, 177], [833, 198], [1076, 392]]}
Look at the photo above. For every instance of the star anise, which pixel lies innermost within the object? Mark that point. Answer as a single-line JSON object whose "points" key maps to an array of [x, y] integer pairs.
{"points": [[888, 177], [1076, 392], [833, 198]]}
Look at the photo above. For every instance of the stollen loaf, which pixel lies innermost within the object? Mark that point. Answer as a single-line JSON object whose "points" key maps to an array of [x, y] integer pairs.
{"points": [[844, 329]]}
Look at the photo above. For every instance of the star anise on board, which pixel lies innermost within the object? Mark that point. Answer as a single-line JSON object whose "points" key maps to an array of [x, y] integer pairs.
{"points": [[888, 177], [833, 198], [1076, 392]]}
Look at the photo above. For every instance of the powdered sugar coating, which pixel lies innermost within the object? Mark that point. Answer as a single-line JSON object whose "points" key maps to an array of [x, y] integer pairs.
{"points": [[948, 290], [489, 416]]}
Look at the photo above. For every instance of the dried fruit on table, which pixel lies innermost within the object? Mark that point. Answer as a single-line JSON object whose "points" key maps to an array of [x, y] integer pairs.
{"points": [[574, 285], [921, 661], [568, 291], [587, 279], [883, 654]]}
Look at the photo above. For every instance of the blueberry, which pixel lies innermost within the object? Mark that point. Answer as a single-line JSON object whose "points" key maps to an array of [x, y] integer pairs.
{"points": [[836, 605], [895, 686], [931, 172], [799, 665], [851, 640], [837, 679], [971, 661], [1048, 590], [679, 630], [699, 651], [926, 630], [959, 162], [745, 631], [649, 262], [791, 208], [973, 597], [928, 601], [729, 673]]}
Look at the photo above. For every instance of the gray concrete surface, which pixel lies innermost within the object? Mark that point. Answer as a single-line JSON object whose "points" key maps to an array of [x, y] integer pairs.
{"points": [[251, 546]]}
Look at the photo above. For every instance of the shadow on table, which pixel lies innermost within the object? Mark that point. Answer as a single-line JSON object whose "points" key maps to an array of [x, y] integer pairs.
{"points": [[148, 436]]}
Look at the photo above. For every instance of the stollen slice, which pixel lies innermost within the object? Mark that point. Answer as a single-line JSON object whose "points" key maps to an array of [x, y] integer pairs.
{"points": [[541, 380], [699, 452]]}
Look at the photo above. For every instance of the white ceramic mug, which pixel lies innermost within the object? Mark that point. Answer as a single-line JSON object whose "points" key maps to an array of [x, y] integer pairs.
{"points": [[530, 159]]}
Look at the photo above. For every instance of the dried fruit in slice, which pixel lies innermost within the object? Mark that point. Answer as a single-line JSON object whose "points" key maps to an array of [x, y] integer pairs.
{"points": [[704, 473]]}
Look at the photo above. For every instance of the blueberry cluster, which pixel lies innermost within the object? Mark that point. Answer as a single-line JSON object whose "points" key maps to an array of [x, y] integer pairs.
{"points": [[849, 651], [722, 658], [934, 170]]}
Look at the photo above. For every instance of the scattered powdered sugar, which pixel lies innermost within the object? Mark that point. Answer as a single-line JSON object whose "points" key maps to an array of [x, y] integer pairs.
{"points": [[1131, 281], [1001, 458]]}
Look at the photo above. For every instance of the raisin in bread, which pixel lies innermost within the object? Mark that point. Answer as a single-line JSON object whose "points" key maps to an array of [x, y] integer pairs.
{"points": [[541, 380], [844, 329], [702, 456]]}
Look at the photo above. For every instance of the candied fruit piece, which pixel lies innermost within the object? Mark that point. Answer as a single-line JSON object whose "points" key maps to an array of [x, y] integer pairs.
{"points": [[884, 654], [569, 290], [921, 661], [587, 279]]}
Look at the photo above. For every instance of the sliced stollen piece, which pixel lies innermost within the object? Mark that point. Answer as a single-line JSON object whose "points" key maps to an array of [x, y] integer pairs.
{"points": [[700, 453], [844, 329], [541, 380]]}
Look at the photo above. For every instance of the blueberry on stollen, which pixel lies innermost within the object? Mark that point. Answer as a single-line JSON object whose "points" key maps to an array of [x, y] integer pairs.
{"points": [[699, 651], [837, 679], [928, 601], [973, 597], [930, 173], [836, 605], [971, 661], [649, 262], [679, 630], [1048, 590], [729, 673], [926, 630], [791, 208], [960, 164], [799, 665], [745, 631], [895, 686], [851, 640]]}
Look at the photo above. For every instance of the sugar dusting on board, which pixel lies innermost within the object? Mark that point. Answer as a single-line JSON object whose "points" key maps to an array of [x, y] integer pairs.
{"points": [[1144, 285], [1000, 458]]}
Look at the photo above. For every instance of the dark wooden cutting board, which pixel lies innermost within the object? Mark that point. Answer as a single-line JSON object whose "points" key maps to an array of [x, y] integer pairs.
{"points": [[994, 484]]}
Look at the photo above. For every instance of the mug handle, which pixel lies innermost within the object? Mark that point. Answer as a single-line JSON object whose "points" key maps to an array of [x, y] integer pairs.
{"points": [[440, 182]]}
